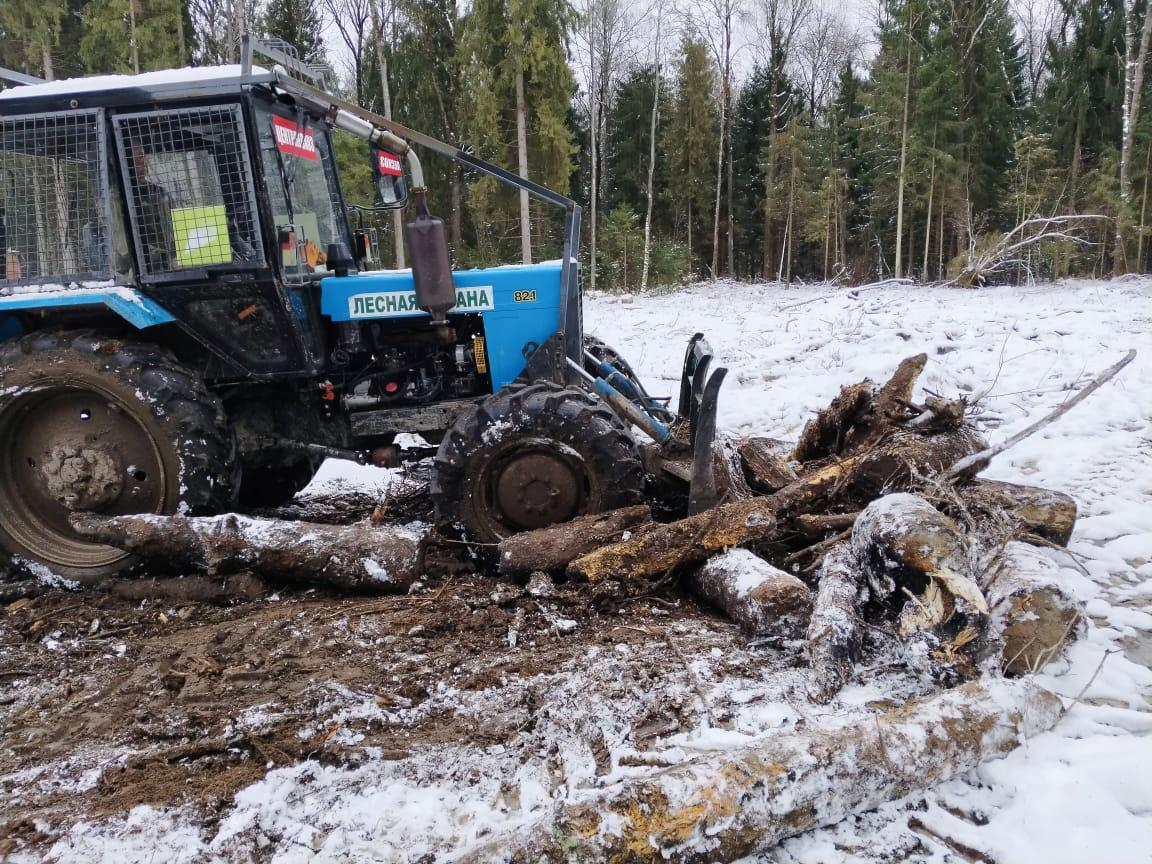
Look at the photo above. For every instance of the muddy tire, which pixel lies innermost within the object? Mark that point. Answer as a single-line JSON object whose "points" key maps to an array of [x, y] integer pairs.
{"points": [[94, 423], [528, 457]]}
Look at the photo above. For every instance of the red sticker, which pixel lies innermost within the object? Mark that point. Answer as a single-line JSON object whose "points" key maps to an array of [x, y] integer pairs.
{"points": [[389, 163], [294, 140]]}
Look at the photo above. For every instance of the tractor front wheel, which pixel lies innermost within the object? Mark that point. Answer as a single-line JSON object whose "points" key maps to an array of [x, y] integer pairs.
{"points": [[93, 423], [529, 457]]}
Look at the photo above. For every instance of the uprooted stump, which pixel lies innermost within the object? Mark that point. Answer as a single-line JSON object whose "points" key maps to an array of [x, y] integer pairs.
{"points": [[724, 807], [359, 557]]}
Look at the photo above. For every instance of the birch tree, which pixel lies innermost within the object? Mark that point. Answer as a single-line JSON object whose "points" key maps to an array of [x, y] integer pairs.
{"points": [[1135, 58], [657, 79], [605, 46]]}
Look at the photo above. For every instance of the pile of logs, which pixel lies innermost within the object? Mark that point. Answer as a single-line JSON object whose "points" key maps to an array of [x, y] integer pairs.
{"points": [[867, 518]]}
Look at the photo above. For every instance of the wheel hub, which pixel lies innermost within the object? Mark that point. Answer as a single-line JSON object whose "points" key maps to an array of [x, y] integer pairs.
{"points": [[538, 489], [83, 478]]}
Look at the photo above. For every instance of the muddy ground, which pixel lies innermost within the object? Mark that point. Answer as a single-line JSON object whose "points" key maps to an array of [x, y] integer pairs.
{"points": [[107, 703]]}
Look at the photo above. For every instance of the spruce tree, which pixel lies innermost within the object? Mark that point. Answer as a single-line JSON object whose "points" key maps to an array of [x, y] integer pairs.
{"points": [[298, 23], [694, 125]]}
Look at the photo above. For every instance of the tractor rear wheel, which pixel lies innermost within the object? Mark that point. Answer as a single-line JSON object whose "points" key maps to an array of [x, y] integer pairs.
{"points": [[93, 423], [529, 457]]}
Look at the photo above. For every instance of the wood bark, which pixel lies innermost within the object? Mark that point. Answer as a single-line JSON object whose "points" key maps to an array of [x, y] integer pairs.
{"points": [[765, 464], [755, 595], [721, 807], [361, 557], [1046, 514], [834, 637], [551, 549], [687, 541], [1033, 616]]}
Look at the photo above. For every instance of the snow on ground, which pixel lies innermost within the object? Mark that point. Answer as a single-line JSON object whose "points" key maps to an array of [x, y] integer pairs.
{"points": [[1084, 791], [1080, 793]]}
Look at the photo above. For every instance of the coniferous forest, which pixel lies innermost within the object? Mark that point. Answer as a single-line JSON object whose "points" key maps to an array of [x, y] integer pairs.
{"points": [[971, 142]]}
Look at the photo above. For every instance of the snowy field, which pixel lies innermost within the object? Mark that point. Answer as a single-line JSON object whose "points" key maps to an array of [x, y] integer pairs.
{"points": [[1084, 791], [1081, 793]]}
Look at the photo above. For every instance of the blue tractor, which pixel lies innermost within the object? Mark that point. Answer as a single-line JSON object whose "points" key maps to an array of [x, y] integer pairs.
{"points": [[189, 323]]}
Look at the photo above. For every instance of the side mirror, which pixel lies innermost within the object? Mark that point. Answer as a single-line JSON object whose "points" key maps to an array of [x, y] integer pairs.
{"points": [[388, 170]]}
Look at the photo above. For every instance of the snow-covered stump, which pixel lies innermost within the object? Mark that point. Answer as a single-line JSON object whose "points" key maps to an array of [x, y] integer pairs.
{"points": [[1033, 616], [755, 595], [721, 807], [834, 639], [361, 557]]}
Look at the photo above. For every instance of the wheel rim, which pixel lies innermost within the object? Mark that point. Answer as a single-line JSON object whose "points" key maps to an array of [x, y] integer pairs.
{"points": [[533, 485], [67, 449]]}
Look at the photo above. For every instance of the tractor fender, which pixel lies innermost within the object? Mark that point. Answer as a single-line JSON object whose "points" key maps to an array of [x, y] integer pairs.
{"points": [[128, 303]]}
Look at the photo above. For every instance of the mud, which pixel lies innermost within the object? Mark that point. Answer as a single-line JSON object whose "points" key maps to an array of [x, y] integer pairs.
{"points": [[114, 699]]}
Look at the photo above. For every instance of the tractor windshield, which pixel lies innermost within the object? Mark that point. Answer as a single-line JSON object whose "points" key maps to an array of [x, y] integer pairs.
{"points": [[302, 187]]}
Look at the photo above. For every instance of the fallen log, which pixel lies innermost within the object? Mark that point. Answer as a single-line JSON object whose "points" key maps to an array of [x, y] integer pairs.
{"points": [[1027, 509], [754, 594], [834, 639], [551, 549], [724, 806], [765, 464], [360, 557], [687, 541], [1033, 616]]}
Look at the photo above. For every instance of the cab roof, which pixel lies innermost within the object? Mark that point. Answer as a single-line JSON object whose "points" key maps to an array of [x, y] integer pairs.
{"points": [[100, 90]]}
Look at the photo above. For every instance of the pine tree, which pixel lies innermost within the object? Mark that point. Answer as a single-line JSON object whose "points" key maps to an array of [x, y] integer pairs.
{"points": [[694, 125]]}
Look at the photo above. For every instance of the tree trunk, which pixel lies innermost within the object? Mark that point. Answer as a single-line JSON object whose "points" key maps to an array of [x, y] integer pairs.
{"points": [[834, 637], [1045, 513], [593, 142], [522, 159], [1144, 209], [747, 800], [754, 594], [360, 557], [652, 156], [132, 42], [1134, 87], [386, 97], [719, 185], [46, 59], [769, 189], [928, 218], [1033, 615], [552, 549], [903, 165]]}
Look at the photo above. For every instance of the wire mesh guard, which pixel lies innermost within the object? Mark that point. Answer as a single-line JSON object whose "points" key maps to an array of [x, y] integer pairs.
{"points": [[53, 218], [190, 191]]}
